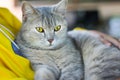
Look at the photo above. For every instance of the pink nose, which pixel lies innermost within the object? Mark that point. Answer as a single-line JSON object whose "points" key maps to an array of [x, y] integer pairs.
{"points": [[50, 40]]}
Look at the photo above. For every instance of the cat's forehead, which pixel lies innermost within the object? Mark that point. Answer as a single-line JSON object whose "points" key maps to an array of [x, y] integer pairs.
{"points": [[47, 18], [45, 10]]}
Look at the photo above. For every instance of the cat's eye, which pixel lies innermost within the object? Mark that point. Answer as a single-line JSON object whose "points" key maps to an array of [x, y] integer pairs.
{"points": [[57, 28], [40, 29]]}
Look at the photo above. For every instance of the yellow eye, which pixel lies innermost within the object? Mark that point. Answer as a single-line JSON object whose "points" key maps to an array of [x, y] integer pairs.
{"points": [[40, 29], [57, 28]]}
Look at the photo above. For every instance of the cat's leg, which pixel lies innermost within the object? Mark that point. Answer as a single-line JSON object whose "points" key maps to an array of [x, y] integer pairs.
{"points": [[72, 72], [46, 73]]}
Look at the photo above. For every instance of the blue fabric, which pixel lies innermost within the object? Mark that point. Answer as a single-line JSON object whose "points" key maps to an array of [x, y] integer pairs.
{"points": [[16, 50]]}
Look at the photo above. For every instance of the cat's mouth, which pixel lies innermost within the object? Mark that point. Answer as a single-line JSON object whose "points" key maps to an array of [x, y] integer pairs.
{"points": [[50, 44]]}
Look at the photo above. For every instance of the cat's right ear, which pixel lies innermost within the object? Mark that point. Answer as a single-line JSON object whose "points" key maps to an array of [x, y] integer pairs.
{"points": [[61, 7], [27, 10]]}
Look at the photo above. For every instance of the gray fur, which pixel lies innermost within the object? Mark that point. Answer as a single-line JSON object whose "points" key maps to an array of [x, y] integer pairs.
{"points": [[59, 60], [101, 62]]}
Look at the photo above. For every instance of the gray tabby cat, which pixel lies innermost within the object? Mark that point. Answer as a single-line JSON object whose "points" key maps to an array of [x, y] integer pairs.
{"points": [[101, 62], [44, 41]]}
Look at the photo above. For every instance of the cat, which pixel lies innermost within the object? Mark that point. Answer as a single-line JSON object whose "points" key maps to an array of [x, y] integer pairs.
{"points": [[101, 62], [43, 39]]}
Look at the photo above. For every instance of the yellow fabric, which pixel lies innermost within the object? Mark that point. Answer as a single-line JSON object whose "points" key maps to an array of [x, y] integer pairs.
{"points": [[12, 66], [79, 28]]}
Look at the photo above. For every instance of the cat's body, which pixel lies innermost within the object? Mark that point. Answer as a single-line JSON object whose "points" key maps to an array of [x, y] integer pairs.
{"points": [[101, 62], [44, 41], [64, 62]]}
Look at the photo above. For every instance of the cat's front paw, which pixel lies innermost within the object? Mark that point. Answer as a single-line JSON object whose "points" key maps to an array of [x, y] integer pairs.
{"points": [[66, 78], [44, 74], [70, 78]]}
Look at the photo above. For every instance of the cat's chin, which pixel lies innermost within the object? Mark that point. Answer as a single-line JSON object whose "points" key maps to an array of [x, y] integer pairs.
{"points": [[52, 46], [46, 47]]}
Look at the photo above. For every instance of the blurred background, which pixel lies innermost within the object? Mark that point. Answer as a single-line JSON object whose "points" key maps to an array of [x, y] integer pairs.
{"points": [[102, 15]]}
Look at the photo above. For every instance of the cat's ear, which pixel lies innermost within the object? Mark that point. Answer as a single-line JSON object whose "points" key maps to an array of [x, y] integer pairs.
{"points": [[27, 10], [61, 7]]}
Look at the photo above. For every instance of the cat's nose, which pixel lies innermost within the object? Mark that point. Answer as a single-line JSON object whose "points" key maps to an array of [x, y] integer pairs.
{"points": [[50, 40]]}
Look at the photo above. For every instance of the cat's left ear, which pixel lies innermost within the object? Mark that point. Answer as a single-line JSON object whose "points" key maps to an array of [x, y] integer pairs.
{"points": [[61, 7]]}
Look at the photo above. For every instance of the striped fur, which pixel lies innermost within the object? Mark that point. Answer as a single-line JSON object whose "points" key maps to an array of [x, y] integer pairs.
{"points": [[59, 60], [101, 62]]}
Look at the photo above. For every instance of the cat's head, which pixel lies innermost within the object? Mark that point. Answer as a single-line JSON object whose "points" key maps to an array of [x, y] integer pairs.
{"points": [[44, 27]]}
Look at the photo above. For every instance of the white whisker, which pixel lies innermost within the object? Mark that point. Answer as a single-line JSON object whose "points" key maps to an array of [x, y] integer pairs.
{"points": [[9, 38], [7, 30]]}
